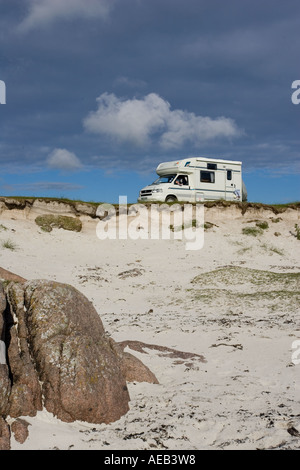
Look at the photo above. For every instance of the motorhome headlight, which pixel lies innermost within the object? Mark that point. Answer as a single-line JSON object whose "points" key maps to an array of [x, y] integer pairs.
{"points": [[157, 190]]}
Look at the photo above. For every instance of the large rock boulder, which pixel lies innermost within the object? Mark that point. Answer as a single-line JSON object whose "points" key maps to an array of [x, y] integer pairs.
{"points": [[19, 427], [54, 353], [4, 379], [67, 359], [9, 276], [4, 435], [5, 389], [2, 310], [26, 396], [4, 372], [133, 369]]}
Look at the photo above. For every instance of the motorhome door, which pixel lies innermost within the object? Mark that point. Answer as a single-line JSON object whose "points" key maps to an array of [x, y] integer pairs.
{"points": [[182, 187], [231, 184]]}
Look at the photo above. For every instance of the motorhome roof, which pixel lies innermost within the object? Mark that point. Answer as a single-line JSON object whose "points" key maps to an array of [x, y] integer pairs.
{"points": [[217, 160], [192, 161]]}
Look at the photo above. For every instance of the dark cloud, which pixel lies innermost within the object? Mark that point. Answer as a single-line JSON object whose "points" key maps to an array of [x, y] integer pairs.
{"points": [[227, 62]]}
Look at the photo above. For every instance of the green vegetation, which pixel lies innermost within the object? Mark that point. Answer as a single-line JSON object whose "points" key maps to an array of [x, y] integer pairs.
{"points": [[253, 231], [243, 289], [269, 300], [259, 228], [31, 199], [10, 245], [2, 227], [262, 225], [272, 249], [276, 208], [48, 221], [208, 225], [297, 228], [255, 278], [244, 250], [276, 250], [193, 223]]}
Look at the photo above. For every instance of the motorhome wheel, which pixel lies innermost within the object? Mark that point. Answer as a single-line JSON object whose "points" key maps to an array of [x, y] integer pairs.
{"points": [[171, 198]]}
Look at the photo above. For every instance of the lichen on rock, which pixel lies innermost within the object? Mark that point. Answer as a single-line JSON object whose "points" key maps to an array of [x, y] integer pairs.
{"points": [[79, 373], [57, 355]]}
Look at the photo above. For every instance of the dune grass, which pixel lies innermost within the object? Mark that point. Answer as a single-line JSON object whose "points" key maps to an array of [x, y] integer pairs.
{"points": [[263, 225], [279, 207], [253, 231], [48, 221], [9, 244]]}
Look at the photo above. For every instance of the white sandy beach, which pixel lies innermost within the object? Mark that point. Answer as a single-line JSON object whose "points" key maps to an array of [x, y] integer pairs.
{"points": [[211, 302]]}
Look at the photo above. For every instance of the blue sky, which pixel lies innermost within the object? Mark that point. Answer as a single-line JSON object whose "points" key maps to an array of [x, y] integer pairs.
{"points": [[99, 92]]}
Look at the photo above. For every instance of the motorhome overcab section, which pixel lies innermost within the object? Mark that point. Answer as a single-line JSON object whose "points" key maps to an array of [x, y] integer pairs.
{"points": [[196, 179]]}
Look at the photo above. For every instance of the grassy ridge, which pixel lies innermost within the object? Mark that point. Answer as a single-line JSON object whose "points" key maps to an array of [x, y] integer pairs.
{"points": [[48, 221], [74, 202]]}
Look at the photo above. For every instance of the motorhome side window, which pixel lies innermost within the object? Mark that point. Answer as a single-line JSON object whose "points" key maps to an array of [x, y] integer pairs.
{"points": [[212, 166], [182, 180], [207, 176], [229, 175]]}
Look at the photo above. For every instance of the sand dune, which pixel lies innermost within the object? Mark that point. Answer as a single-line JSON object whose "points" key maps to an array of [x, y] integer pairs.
{"points": [[235, 303]]}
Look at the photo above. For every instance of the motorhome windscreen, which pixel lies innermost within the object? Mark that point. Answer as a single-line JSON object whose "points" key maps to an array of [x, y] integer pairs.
{"points": [[164, 179]]}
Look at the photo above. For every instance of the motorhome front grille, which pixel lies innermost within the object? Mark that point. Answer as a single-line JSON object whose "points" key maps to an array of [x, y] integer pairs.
{"points": [[146, 192]]}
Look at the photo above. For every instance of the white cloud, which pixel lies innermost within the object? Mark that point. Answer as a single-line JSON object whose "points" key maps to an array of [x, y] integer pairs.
{"points": [[149, 119], [132, 120], [184, 127], [43, 12], [62, 159]]}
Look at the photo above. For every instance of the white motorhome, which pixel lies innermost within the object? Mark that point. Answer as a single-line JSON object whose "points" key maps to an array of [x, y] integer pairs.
{"points": [[196, 179]]}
